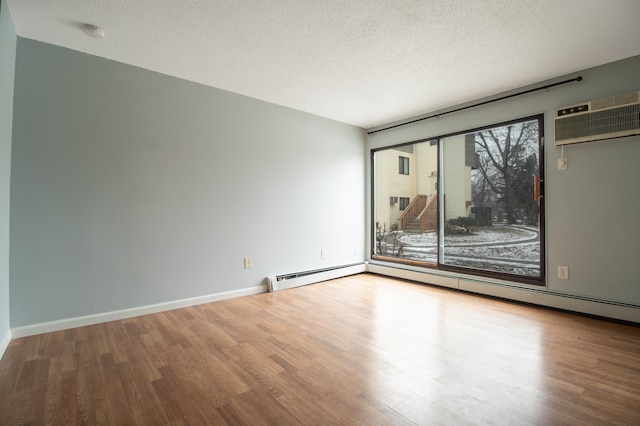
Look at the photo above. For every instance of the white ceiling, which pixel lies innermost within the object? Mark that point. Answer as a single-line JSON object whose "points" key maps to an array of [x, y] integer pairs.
{"points": [[363, 62]]}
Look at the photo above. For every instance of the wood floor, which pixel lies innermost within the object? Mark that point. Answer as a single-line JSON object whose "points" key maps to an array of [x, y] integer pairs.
{"points": [[359, 350]]}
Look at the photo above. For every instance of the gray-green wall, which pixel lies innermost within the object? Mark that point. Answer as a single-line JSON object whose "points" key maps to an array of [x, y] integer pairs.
{"points": [[592, 208], [7, 67], [132, 188]]}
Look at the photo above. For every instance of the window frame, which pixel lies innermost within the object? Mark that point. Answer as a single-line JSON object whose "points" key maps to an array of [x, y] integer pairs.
{"points": [[403, 165], [539, 280], [405, 201]]}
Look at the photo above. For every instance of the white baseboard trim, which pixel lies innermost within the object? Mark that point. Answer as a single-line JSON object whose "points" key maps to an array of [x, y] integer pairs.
{"points": [[67, 323], [4, 343], [516, 292]]}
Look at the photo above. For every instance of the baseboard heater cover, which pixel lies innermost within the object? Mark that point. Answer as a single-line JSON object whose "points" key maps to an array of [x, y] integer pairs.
{"points": [[297, 279]]}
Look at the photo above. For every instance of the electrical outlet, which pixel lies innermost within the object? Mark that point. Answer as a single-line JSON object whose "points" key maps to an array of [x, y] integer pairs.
{"points": [[323, 254], [248, 263], [563, 164], [563, 272]]}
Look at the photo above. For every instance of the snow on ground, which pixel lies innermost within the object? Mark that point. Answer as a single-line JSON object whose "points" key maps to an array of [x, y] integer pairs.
{"points": [[489, 234], [523, 252], [509, 249]]}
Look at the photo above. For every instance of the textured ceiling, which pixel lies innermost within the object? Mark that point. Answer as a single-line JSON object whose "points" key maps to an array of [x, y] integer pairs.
{"points": [[363, 62]]}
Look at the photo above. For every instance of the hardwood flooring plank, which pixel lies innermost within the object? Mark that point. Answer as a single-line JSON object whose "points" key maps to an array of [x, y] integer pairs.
{"points": [[224, 377], [303, 400], [54, 393], [424, 412]]}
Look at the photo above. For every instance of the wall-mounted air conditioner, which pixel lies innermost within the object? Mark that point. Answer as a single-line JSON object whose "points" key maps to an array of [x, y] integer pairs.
{"points": [[608, 118], [393, 200]]}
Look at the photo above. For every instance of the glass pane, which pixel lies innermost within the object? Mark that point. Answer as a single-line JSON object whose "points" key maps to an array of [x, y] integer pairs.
{"points": [[405, 208], [490, 218]]}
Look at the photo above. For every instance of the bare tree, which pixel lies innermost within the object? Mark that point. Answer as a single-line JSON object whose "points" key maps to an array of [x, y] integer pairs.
{"points": [[503, 153], [523, 188], [483, 197]]}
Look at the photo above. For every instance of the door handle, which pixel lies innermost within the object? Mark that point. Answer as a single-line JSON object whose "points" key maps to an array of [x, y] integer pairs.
{"points": [[536, 188]]}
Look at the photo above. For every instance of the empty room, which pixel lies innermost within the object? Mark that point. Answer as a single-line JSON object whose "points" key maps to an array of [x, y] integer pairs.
{"points": [[304, 212]]}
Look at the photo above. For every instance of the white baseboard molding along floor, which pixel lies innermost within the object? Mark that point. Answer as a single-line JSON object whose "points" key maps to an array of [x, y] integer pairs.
{"points": [[64, 324]]}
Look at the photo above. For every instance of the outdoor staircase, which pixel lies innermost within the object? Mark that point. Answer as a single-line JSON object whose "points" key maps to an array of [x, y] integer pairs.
{"points": [[421, 215], [413, 226]]}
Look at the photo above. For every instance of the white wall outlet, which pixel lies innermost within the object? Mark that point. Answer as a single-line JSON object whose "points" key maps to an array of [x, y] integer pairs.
{"points": [[248, 263], [563, 272], [563, 164], [323, 254], [355, 251]]}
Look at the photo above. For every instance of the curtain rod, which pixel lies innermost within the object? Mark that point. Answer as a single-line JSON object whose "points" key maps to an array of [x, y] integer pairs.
{"points": [[579, 78]]}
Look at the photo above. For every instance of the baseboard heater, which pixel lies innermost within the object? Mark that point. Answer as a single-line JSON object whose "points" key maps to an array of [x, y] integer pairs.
{"points": [[297, 279]]}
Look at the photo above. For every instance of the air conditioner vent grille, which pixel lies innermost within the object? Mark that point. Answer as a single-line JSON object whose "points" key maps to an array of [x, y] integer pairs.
{"points": [[575, 126], [603, 103], [615, 120]]}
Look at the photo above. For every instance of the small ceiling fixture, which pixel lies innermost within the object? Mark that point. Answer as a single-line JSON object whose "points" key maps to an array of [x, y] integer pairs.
{"points": [[93, 31]]}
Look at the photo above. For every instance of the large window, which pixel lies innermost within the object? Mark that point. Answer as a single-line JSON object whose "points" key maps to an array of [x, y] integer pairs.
{"points": [[471, 204]]}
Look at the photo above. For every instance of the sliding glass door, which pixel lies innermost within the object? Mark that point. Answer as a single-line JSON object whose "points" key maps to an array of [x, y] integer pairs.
{"points": [[469, 201]]}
